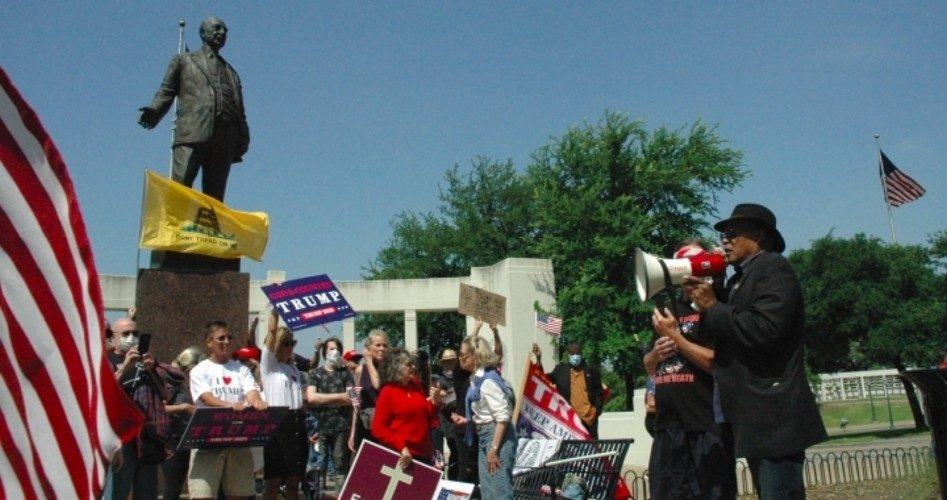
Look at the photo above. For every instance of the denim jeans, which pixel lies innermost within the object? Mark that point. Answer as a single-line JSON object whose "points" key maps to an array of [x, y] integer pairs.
{"points": [[499, 484], [134, 476], [334, 445], [175, 473], [312, 480], [779, 477]]}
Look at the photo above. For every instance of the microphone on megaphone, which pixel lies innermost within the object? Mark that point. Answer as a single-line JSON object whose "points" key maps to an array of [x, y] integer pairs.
{"points": [[654, 274]]}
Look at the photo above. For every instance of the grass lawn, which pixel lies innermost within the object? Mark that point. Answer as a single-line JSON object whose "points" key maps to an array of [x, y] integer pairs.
{"points": [[860, 412], [920, 487]]}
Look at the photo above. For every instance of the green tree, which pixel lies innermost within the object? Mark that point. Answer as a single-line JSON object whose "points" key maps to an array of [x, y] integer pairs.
{"points": [[483, 218], [871, 305], [601, 191], [586, 201], [938, 243]]}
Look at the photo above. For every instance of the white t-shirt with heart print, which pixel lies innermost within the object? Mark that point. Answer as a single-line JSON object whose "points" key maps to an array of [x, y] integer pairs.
{"points": [[230, 381]]}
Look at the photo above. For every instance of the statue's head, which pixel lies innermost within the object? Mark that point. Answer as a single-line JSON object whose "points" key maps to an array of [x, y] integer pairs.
{"points": [[214, 32]]}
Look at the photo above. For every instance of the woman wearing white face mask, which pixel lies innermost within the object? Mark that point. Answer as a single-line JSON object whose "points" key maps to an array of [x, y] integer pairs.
{"points": [[327, 392]]}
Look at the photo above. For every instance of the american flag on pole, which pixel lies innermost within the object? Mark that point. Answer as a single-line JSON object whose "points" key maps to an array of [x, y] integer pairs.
{"points": [[62, 414], [549, 323], [899, 187]]}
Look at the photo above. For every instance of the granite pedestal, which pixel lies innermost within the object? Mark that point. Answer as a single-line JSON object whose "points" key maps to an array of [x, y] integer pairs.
{"points": [[175, 305]]}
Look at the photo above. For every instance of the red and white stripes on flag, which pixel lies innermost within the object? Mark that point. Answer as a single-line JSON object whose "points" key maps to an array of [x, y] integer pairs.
{"points": [[549, 323], [899, 188], [62, 414], [544, 413]]}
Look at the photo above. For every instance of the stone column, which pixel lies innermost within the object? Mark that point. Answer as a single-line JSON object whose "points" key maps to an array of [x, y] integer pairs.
{"points": [[410, 329], [348, 334]]}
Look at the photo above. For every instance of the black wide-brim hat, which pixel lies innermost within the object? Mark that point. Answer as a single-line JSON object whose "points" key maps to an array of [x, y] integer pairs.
{"points": [[759, 214]]}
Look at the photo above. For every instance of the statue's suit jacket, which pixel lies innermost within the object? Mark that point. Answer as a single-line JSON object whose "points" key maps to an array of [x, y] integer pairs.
{"points": [[759, 362], [189, 79]]}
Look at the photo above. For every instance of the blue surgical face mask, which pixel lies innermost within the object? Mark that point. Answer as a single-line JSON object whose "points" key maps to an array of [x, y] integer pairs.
{"points": [[575, 359]]}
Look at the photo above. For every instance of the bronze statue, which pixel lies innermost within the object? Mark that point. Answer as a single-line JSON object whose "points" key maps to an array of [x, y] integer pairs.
{"points": [[211, 131]]}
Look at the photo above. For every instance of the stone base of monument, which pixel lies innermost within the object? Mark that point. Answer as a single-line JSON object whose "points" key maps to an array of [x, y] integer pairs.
{"points": [[177, 261], [174, 306]]}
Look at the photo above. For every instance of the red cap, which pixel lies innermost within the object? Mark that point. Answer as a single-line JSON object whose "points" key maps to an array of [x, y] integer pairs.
{"points": [[247, 353], [351, 356]]}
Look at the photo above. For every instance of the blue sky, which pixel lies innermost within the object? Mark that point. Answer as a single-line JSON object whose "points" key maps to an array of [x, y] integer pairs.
{"points": [[356, 109]]}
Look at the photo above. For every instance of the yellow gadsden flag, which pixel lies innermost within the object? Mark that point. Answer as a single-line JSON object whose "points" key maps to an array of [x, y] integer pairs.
{"points": [[180, 219]]}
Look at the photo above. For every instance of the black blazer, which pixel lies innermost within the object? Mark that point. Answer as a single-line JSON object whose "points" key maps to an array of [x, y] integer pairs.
{"points": [[593, 382], [760, 357]]}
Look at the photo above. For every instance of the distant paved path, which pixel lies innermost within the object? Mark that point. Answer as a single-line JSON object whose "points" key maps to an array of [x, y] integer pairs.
{"points": [[905, 442]]}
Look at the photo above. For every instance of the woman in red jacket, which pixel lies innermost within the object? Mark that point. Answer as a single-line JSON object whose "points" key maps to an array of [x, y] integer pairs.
{"points": [[403, 413]]}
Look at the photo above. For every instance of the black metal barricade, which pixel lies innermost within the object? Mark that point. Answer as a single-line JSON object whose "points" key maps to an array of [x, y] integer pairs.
{"points": [[597, 463]]}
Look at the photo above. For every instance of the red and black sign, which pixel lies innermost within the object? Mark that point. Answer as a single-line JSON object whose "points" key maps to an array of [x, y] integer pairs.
{"points": [[227, 428]]}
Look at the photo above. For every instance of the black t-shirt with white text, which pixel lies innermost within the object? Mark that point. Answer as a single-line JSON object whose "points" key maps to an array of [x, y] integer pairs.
{"points": [[684, 392]]}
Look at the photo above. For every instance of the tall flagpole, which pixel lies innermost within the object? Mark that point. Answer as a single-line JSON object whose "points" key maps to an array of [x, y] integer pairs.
{"points": [[141, 216], [174, 124], [884, 189]]}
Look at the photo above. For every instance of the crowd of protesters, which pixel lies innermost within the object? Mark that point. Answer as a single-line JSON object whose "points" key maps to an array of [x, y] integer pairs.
{"points": [[335, 400], [714, 343]]}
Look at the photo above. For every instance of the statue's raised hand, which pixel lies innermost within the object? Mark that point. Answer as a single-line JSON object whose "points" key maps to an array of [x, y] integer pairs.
{"points": [[149, 117]]}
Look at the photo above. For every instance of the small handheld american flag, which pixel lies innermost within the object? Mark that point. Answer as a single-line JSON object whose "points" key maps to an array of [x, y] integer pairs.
{"points": [[549, 323]]}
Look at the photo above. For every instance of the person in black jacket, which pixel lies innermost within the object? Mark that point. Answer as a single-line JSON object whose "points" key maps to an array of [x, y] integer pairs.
{"points": [[759, 327], [580, 384]]}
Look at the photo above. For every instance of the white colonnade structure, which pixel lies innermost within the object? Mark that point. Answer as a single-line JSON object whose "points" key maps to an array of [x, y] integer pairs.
{"points": [[524, 282]]}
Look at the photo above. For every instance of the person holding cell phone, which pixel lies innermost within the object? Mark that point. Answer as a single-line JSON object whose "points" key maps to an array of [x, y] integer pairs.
{"points": [[135, 370]]}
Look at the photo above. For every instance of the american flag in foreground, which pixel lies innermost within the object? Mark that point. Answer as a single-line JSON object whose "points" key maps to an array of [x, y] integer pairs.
{"points": [[899, 187], [549, 323], [61, 412]]}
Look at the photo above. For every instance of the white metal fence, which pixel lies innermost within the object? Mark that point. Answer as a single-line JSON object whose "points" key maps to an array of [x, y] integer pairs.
{"points": [[858, 385]]}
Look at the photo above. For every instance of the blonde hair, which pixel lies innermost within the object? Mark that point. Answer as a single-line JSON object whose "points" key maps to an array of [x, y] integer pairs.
{"points": [[281, 334], [482, 351], [373, 334], [189, 358]]}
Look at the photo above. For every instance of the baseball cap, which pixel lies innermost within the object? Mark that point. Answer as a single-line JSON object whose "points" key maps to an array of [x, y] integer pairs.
{"points": [[247, 353], [351, 355], [448, 355]]}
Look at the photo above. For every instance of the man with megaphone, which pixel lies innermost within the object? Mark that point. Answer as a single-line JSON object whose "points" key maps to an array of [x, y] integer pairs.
{"points": [[758, 324]]}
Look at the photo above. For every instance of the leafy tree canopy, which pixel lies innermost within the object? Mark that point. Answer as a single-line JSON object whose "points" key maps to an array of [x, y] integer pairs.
{"points": [[585, 201], [870, 304], [604, 189]]}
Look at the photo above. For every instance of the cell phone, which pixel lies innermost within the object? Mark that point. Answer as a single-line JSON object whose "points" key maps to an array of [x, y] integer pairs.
{"points": [[144, 342]]}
